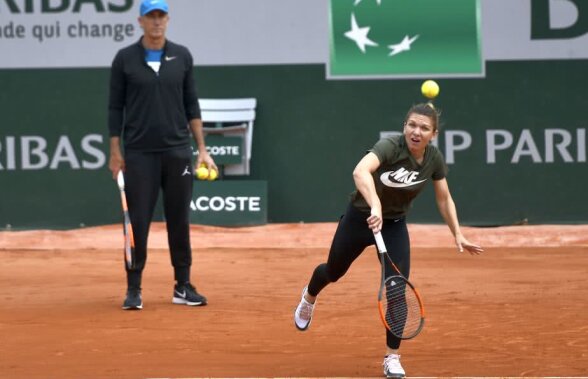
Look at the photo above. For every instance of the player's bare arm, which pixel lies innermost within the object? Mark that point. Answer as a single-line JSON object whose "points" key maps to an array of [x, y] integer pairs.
{"points": [[364, 181], [448, 211]]}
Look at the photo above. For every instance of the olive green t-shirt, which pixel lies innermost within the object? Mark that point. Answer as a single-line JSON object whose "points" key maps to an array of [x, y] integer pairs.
{"points": [[399, 179]]}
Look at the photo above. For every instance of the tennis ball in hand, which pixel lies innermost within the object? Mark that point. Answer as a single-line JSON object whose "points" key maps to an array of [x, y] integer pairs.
{"points": [[202, 173], [430, 89], [212, 174]]}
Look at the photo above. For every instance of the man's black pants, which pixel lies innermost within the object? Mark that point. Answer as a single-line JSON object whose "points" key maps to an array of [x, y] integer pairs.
{"points": [[145, 175]]}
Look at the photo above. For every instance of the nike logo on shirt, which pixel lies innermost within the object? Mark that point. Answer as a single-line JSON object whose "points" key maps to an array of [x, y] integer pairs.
{"points": [[400, 178], [167, 59]]}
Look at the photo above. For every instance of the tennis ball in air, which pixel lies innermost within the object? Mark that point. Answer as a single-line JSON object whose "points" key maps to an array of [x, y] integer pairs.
{"points": [[430, 89], [212, 174], [202, 173]]}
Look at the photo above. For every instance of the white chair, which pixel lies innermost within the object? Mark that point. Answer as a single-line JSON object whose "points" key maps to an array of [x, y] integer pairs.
{"points": [[231, 117]]}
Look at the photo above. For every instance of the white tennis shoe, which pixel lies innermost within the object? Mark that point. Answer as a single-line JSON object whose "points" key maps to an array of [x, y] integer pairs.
{"points": [[303, 313], [392, 366]]}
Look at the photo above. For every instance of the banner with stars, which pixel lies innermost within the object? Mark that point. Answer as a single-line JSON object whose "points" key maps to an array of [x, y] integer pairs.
{"points": [[405, 39]]}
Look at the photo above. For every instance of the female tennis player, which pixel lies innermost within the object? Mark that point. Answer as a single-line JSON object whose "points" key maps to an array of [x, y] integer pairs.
{"points": [[387, 180]]}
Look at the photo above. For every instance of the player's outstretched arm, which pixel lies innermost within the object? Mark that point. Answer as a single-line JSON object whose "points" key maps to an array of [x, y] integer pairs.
{"points": [[449, 213]]}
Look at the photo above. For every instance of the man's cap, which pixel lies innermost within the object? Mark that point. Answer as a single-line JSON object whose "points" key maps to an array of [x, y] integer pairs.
{"points": [[152, 5]]}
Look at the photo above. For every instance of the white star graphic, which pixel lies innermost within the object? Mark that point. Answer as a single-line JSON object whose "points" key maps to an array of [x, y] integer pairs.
{"points": [[402, 46], [359, 35], [359, 1]]}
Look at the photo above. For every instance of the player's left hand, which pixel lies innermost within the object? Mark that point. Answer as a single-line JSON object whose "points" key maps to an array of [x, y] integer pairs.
{"points": [[463, 244]]}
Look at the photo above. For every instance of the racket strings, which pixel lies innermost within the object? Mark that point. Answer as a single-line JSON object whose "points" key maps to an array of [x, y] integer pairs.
{"points": [[401, 308]]}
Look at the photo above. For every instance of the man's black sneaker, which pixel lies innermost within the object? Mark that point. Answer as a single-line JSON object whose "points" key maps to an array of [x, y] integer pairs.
{"points": [[133, 300], [186, 294]]}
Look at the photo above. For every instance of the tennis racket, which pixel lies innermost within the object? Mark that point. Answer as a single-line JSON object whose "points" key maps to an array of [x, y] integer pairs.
{"points": [[129, 247], [399, 303]]}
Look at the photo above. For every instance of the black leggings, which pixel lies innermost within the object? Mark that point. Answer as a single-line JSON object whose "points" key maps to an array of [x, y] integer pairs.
{"points": [[351, 238], [145, 175]]}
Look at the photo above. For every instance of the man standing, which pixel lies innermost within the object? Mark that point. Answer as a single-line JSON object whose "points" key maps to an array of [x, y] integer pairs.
{"points": [[153, 107]]}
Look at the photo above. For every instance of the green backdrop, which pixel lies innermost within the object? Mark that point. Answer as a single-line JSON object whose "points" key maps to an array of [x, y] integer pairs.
{"points": [[309, 134]]}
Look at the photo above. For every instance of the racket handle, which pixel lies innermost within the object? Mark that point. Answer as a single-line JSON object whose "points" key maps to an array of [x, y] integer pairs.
{"points": [[380, 243], [120, 180]]}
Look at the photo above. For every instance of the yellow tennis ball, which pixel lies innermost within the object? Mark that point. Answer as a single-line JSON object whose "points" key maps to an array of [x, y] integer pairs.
{"points": [[430, 89], [202, 173], [212, 174]]}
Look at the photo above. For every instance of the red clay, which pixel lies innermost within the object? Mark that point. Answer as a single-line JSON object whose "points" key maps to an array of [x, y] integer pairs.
{"points": [[518, 310]]}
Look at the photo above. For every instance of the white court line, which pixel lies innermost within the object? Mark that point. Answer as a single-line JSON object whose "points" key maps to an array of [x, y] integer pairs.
{"points": [[408, 377]]}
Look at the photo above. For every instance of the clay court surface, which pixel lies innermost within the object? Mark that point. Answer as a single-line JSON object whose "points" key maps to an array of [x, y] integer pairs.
{"points": [[521, 309]]}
